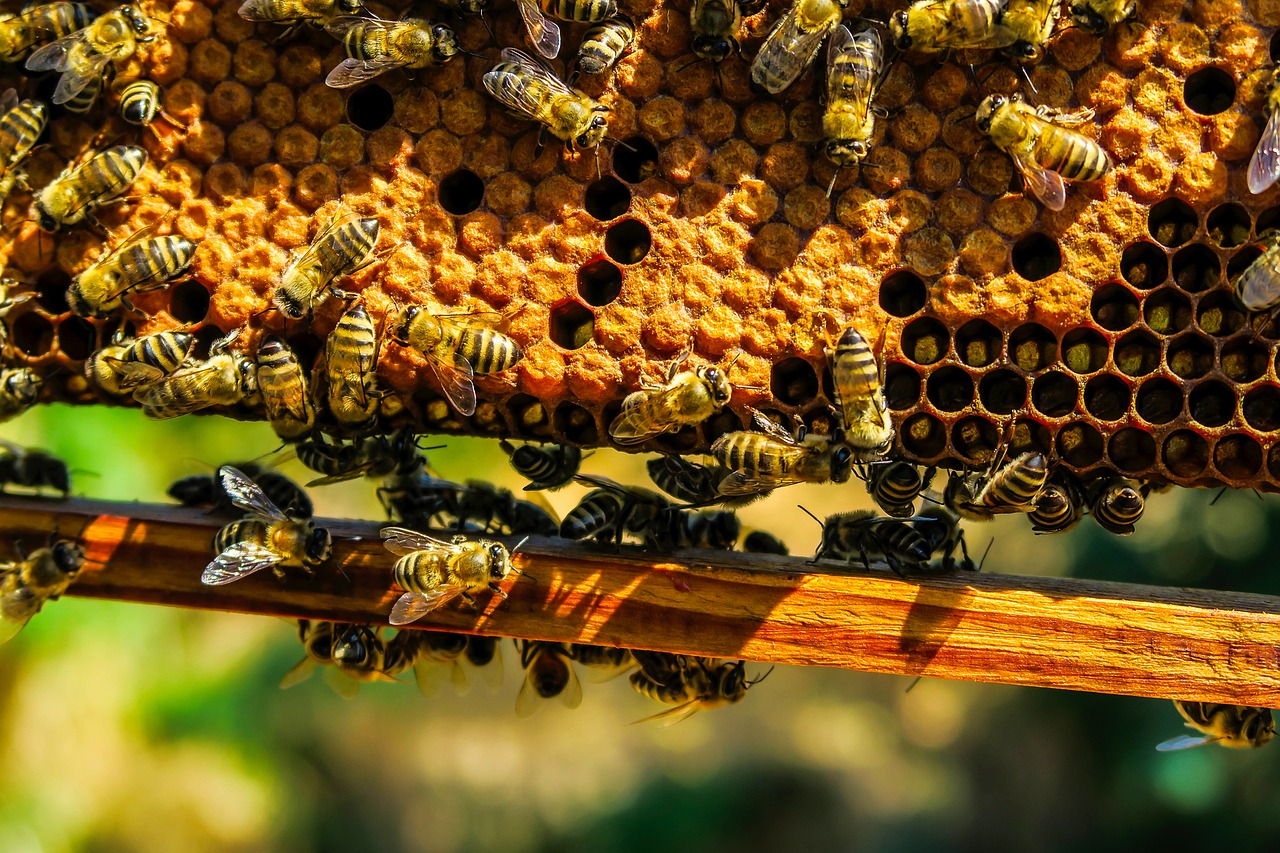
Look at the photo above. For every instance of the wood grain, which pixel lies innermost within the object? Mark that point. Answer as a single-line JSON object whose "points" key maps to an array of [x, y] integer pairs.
{"points": [[1064, 633]]}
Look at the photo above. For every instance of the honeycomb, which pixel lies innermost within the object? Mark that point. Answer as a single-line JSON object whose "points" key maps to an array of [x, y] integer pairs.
{"points": [[1106, 333]]}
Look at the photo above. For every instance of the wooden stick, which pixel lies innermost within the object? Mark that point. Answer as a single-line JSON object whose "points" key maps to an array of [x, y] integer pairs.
{"points": [[1043, 632]]}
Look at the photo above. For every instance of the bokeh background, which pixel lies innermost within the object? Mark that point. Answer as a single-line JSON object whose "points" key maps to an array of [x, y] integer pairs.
{"points": [[124, 727]]}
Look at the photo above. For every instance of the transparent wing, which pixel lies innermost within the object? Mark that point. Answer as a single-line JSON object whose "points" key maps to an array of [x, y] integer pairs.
{"points": [[245, 494], [524, 93], [1046, 184], [53, 56], [431, 676], [739, 483], [490, 674], [74, 79], [544, 34], [673, 715], [8, 100], [529, 701], [800, 43], [456, 384], [353, 72], [412, 606], [239, 560], [841, 38], [762, 423], [342, 684], [967, 21], [402, 540], [300, 673], [10, 629], [197, 378], [636, 423], [352, 474], [1185, 742], [1264, 168]]}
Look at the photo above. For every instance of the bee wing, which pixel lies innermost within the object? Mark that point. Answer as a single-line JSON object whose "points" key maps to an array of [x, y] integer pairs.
{"points": [[9, 99], [412, 606], [1264, 167], [801, 43], [402, 540], [1045, 183], [353, 72], [490, 675], [300, 673], [430, 676], [1185, 742], [10, 629], [246, 494], [75, 78], [519, 96], [739, 483], [673, 715], [841, 38], [963, 15], [456, 384], [343, 684], [239, 560], [544, 34], [260, 10], [53, 56], [761, 422], [636, 423], [198, 378]]}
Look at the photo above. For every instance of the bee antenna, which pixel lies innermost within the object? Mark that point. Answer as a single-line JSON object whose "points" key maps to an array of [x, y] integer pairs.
{"points": [[685, 65], [621, 144], [990, 542], [1027, 77], [485, 21], [811, 515], [761, 678], [519, 545], [831, 186]]}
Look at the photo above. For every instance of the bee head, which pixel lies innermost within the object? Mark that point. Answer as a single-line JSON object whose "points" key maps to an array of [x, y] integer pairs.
{"points": [[898, 30], [400, 331], [721, 390], [354, 646], [319, 545], [841, 463], [712, 48], [445, 45], [1025, 53], [68, 556], [596, 128], [139, 21], [23, 384], [987, 110], [1088, 20], [844, 152], [44, 218], [1260, 728], [730, 680], [498, 565]]}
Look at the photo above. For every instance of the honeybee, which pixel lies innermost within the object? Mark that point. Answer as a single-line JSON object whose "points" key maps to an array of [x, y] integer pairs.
{"points": [[855, 70], [20, 127], [433, 572], [267, 538], [19, 387], [1042, 146], [894, 486], [141, 101], [1233, 726], [1059, 506], [83, 101], [496, 510], [1117, 504], [374, 46], [1094, 16], [1032, 23], [283, 385], [936, 26], [207, 490], [688, 398], [1003, 488], [74, 193], [355, 651], [608, 661], [27, 584], [223, 379], [772, 458], [611, 510], [714, 25], [546, 467], [457, 347], [31, 468], [694, 483], [861, 534], [691, 684], [940, 528], [139, 264], [351, 366], [1264, 166], [343, 247], [393, 455], [792, 44], [120, 366], [762, 542], [523, 85], [83, 56], [21, 32], [548, 674], [677, 527], [293, 13], [438, 654], [1258, 287], [604, 44], [864, 413]]}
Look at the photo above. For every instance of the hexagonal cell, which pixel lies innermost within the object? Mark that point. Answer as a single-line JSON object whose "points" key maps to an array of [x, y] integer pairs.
{"points": [[1244, 360], [628, 241], [1190, 356], [1237, 457], [575, 424], [1196, 268], [902, 293], [1158, 401], [370, 107], [528, 416], [32, 334], [1137, 353], [1228, 225], [923, 436], [1030, 437], [51, 291], [1172, 222], [1106, 397], [1240, 261], [950, 389], [1219, 314], [901, 385], [976, 439], [572, 324], [1054, 394], [1209, 91], [978, 343], [1212, 403], [607, 198], [76, 338], [1167, 311], [189, 302], [1036, 256], [1002, 392], [461, 192], [1144, 265], [1261, 408], [599, 282], [1267, 220], [722, 422], [635, 159], [1185, 453], [1114, 307], [1079, 445], [1032, 347], [925, 340], [1132, 450], [1084, 350], [794, 382]]}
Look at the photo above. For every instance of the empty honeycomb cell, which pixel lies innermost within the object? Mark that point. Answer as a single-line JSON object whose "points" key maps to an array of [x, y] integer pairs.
{"points": [[575, 424], [529, 416], [1036, 256], [1237, 457], [978, 343], [1166, 311], [1185, 453], [1158, 401], [1144, 265], [722, 422], [628, 241], [794, 382], [1212, 403], [1190, 356], [925, 340], [901, 386], [32, 334], [370, 107], [1172, 222], [902, 293], [1079, 445], [51, 290], [461, 192], [1114, 307], [1219, 314], [1132, 450], [599, 282], [950, 389], [1244, 360], [1032, 347], [572, 324], [607, 198], [976, 439], [1209, 91], [922, 435], [1137, 353], [1106, 397], [1261, 408], [1084, 350], [1054, 394], [1196, 268], [1228, 225], [1002, 392], [76, 338], [189, 301]]}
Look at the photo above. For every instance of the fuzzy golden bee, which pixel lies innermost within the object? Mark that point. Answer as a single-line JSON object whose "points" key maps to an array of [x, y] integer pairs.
{"points": [[374, 47], [690, 684], [549, 674], [1095, 16], [285, 394], [351, 365], [124, 364], [1258, 287], [860, 400], [523, 85], [71, 197], [37, 24], [688, 398], [457, 347], [1032, 23], [895, 486], [433, 572], [36, 578], [19, 388], [936, 26], [714, 26], [343, 247], [20, 127], [855, 69], [1232, 726], [83, 56], [793, 43], [140, 102], [137, 265], [223, 379], [1043, 146], [604, 44], [772, 458], [293, 13]]}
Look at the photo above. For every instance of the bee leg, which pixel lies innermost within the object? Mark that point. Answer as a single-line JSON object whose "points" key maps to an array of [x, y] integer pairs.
{"points": [[471, 602], [538, 146]]}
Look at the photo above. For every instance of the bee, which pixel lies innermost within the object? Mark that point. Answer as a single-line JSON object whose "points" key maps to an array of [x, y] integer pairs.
{"points": [[418, 499], [283, 385], [1117, 504], [772, 458], [351, 366], [74, 193], [940, 528], [677, 527], [21, 32], [861, 534], [691, 684], [1003, 488], [223, 379], [466, 7], [1094, 16], [8, 301], [19, 387], [485, 504], [1032, 23], [31, 468], [936, 26], [294, 13], [604, 44], [546, 467], [760, 542], [694, 483], [355, 651], [374, 46], [83, 56], [141, 101], [83, 101], [793, 43], [864, 413], [548, 674], [457, 347], [714, 25], [207, 490], [433, 572], [343, 247], [607, 660], [137, 265], [437, 654], [1059, 506], [42, 576], [20, 127], [612, 510], [855, 70], [267, 538], [1233, 726], [688, 398], [1042, 146], [120, 366], [523, 85], [894, 486], [393, 455], [1258, 287]]}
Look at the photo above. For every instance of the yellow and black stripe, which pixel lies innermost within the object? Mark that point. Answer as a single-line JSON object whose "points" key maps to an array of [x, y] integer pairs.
{"points": [[581, 11]]}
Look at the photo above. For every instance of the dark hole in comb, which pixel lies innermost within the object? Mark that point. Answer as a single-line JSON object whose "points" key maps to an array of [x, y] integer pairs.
{"points": [[1261, 408], [1172, 222], [189, 301], [1036, 256], [902, 293], [628, 241], [599, 282], [635, 159], [901, 386], [1212, 403], [51, 291], [1114, 307], [1054, 394], [1079, 445], [794, 382], [370, 107], [1158, 401], [1106, 397], [1190, 356], [923, 435], [572, 324], [461, 192], [76, 337], [1144, 265], [1228, 225], [32, 334], [607, 198], [1002, 391], [1185, 453], [575, 424], [1196, 268], [1133, 450], [1238, 457], [1209, 91], [950, 389]]}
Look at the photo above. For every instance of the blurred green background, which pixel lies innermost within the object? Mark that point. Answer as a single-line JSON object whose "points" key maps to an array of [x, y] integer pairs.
{"points": [[125, 727]]}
